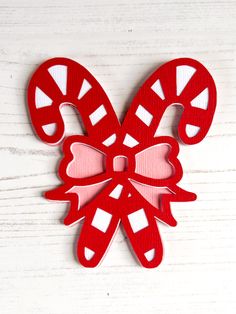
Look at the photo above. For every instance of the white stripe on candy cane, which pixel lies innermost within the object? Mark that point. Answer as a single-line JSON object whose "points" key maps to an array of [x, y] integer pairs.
{"points": [[97, 115], [59, 74]]}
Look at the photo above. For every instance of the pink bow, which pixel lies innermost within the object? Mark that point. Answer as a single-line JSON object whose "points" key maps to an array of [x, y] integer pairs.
{"points": [[107, 188], [88, 162]]}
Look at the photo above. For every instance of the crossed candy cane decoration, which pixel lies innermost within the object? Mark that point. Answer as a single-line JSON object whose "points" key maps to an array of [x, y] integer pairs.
{"points": [[121, 172]]}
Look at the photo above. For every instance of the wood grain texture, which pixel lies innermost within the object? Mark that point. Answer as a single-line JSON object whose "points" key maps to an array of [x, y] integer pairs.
{"points": [[120, 42]]}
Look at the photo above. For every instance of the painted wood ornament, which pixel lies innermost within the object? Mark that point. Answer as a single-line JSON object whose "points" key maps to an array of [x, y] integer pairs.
{"points": [[120, 173]]}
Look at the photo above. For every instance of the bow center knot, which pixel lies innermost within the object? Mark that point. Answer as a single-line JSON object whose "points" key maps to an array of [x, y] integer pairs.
{"points": [[120, 163]]}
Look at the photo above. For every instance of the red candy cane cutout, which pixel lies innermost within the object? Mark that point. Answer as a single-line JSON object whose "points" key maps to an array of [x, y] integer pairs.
{"points": [[61, 81], [182, 81], [121, 173]]}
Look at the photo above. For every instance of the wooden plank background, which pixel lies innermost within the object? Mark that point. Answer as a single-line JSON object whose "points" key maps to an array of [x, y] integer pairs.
{"points": [[120, 42]]}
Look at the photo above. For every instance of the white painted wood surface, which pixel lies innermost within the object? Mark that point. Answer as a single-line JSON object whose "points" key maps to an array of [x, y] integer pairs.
{"points": [[120, 42]]}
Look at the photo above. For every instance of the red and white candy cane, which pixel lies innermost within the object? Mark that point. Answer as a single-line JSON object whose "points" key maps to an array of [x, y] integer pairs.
{"points": [[120, 167]]}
